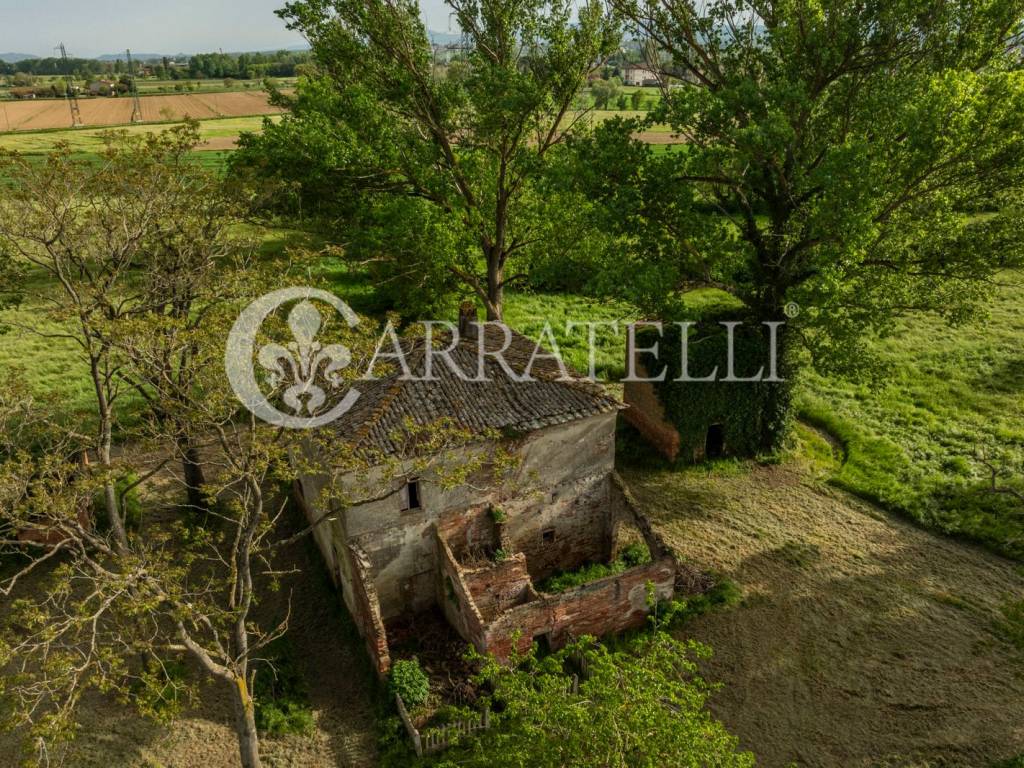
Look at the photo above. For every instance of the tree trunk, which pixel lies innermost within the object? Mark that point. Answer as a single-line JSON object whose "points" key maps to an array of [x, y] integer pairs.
{"points": [[245, 725], [495, 286], [114, 519], [778, 402], [195, 477]]}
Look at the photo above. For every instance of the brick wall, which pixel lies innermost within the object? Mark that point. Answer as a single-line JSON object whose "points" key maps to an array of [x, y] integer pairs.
{"points": [[563, 530], [366, 610], [500, 586], [607, 606], [455, 598], [647, 415]]}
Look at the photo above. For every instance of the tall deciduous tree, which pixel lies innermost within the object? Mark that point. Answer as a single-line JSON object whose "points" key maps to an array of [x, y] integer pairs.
{"points": [[853, 160], [450, 153], [87, 226]]}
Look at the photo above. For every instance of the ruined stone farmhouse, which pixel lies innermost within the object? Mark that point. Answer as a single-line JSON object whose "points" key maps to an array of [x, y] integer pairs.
{"points": [[409, 541]]}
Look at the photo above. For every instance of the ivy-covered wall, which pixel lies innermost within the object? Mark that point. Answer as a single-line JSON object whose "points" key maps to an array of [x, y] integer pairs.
{"points": [[694, 407]]}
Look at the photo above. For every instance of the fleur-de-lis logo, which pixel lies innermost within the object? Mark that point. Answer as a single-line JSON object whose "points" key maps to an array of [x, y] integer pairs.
{"points": [[300, 362], [300, 366]]}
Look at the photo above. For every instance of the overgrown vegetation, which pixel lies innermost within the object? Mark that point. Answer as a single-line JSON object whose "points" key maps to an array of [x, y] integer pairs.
{"points": [[281, 693], [408, 680], [631, 556], [641, 703]]}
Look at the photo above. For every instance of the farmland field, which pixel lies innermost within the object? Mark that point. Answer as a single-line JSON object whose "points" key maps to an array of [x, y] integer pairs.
{"points": [[217, 135], [49, 114]]}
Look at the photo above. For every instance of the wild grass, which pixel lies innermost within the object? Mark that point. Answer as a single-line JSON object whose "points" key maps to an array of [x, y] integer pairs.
{"points": [[912, 443]]}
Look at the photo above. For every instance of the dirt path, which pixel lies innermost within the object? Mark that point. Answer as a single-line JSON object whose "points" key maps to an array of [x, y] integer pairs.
{"points": [[861, 640]]}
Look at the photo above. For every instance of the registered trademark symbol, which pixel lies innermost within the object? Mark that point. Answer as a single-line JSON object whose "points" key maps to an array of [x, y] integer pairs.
{"points": [[792, 310]]}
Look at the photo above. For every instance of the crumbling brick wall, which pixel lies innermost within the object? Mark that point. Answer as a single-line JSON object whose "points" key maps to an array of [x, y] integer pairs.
{"points": [[608, 606], [366, 610], [497, 588]]}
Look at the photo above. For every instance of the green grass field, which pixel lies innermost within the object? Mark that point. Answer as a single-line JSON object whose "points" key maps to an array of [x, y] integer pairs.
{"points": [[911, 443], [87, 140]]}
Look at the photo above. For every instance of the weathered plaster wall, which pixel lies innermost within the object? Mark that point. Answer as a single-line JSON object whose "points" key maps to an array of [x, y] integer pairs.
{"points": [[561, 482]]}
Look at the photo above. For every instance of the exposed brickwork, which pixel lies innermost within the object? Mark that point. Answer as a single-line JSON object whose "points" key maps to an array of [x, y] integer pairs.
{"points": [[599, 608], [647, 415], [491, 604], [455, 597], [563, 532], [471, 528], [366, 612], [501, 586]]}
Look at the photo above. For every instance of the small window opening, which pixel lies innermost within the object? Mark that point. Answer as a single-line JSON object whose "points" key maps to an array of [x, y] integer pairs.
{"points": [[411, 495], [715, 447], [548, 536]]}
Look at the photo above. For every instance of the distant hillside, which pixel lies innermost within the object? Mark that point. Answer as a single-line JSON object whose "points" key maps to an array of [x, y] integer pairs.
{"points": [[444, 38], [14, 58]]}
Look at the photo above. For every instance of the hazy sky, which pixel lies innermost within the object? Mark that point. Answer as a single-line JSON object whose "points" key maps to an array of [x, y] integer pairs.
{"points": [[96, 27]]}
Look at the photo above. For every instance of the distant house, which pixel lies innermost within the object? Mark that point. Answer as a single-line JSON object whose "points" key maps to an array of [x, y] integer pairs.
{"points": [[639, 75], [102, 88]]}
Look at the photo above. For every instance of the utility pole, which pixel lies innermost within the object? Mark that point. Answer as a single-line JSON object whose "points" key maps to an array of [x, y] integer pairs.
{"points": [[134, 91], [69, 80]]}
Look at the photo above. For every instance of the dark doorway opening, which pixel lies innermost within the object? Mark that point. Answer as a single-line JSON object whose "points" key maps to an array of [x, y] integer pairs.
{"points": [[543, 643], [714, 448]]}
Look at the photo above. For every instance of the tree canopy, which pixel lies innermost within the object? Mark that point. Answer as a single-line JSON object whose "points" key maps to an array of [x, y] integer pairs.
{"points": [[852, 161], [442, 160]]}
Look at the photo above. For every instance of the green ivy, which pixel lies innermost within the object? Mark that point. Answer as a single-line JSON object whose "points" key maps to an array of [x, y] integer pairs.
{"points": [[693, 407]]}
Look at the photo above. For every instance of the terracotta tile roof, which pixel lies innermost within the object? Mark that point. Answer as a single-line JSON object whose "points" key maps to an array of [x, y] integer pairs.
{"points": [[377, 421]]}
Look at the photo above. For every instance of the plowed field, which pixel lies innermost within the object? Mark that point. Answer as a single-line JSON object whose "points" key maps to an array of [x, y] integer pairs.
{"points": [[44, 114]]}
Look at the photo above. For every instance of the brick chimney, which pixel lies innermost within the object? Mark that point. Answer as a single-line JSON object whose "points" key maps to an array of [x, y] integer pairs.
{"points": [[467, 320]]}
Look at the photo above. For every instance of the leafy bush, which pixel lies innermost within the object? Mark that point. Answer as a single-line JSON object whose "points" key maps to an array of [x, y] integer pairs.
{"points": [[618, 716], [282, 700], [725, 593], [409, 681], [631, 556]]}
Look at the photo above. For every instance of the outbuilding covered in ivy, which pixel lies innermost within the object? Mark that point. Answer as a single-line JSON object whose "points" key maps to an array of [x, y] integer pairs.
{"points": [[696, 400]]}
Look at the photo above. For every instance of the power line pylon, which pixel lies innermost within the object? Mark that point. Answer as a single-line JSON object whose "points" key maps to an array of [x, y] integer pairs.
{"points": [[134, 91], [72, 96]]}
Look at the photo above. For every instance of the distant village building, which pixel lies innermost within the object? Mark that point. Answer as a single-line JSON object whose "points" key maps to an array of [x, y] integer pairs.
{"points": [[477, 551], [102, 87], [639, 75]]}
